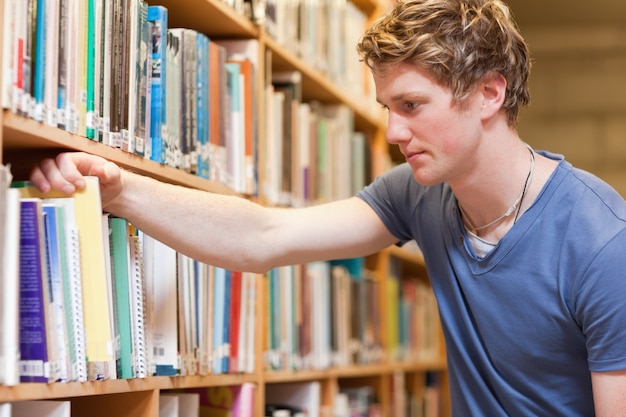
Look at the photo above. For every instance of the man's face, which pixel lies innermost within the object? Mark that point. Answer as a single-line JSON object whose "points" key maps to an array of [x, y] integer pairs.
{"points": [[435, 134]]}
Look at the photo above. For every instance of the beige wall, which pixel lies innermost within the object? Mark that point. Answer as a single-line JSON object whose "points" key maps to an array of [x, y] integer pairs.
{"points": [[578, 87]]}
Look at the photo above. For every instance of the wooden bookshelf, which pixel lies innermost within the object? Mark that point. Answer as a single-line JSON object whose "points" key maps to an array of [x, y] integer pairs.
{"points": [[24, 142]]}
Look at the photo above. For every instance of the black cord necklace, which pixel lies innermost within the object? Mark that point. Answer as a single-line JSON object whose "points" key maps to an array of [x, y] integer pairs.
{"points": [[515, 208]]}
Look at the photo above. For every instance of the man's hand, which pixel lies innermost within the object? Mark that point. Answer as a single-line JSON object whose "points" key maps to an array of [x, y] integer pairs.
{"points": [[65, 173]]}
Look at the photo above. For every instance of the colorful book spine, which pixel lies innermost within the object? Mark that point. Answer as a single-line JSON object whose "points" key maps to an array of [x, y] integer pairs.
{"points": [[142, 107], [9, 285], [119, 256], [34, 361], [55, 255], [40, 61], [62, 63], [90, 105], [202, 89], [158, 113]]}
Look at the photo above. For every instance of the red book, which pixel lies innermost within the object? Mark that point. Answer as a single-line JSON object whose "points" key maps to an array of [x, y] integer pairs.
{"points": [[235, 319]]}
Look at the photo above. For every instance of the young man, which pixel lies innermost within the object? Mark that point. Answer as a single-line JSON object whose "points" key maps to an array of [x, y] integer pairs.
{"points": [[525, 253]]}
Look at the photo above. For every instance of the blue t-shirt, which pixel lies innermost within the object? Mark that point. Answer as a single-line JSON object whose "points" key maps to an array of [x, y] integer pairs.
{"points": [[526, 324]]}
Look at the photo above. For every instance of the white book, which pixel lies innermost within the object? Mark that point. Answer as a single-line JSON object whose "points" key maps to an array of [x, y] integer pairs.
{"points": [[161, 304], [8, 45], [138, 309], [9, 288], [168, 405], [40, 408], [52, 62], [250, 329], [179, 404]]}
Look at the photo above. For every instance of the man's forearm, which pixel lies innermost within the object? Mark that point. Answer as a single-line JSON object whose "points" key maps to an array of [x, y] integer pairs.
{"points": [[225, 231]]}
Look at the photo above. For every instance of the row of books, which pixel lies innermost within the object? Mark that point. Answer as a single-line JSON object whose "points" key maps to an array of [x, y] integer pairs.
{"points": [[312, 152], [423, 400], [324, 34], [328, 314], [87, 296], [177, 97], [113, 71]]}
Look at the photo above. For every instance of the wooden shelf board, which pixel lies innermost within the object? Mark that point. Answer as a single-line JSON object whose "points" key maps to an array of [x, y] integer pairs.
{"points": [[30, 391], [209, 17], [29, 138]]}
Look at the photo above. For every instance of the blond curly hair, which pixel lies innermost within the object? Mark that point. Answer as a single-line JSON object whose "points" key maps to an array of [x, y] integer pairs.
{"points": [[459, 42]]}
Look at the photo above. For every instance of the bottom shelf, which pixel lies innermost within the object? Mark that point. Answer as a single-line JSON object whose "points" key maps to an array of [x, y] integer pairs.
{"points": [[373, 391]]}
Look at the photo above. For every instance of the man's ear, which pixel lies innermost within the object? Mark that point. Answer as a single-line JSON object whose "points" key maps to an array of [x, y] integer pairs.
{"points": [[493, 92]]}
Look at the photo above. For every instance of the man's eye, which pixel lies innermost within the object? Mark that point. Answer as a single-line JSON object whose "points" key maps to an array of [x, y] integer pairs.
{"points": [[410, 105]]}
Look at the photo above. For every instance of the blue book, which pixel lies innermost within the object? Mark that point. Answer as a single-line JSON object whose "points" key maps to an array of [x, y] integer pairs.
{"points": [[40, 61], [202, 86], [219, 288], [59, 370], [34, 363], [158, 16]]}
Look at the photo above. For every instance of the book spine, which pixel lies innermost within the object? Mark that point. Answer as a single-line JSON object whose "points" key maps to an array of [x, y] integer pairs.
{"points": [[119, 259], [138, 305], [49, 115], [9, 286], [142, 108], [158, 16], [34, 361], [62, 63], [40, 61], [90, 105], [106, 72]]}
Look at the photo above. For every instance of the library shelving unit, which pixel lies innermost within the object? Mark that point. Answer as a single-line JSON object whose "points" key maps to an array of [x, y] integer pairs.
{"points": [[24, 141]]}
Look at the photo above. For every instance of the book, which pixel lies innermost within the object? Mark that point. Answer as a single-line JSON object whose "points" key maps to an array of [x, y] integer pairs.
{"points": [[51, 66], [42, 408], [179, 404], [217, 113], [9, 280], [120, 253], [104, 107], [90, 76], [161, 302], [157, 15], [143, 145], [73, 299], [39, 76], [99, 348], [8, 45], [204, 301], [168, 405], [57, 268], [235, 319], [202, 112], [174, 78], [35, 346], [247, 327], [188, 120], [139, 322], [219, 319]]}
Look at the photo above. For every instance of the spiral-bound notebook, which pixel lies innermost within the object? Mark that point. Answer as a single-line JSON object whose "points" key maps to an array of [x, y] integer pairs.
{"points": [[73, 296], [138, 308]]}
